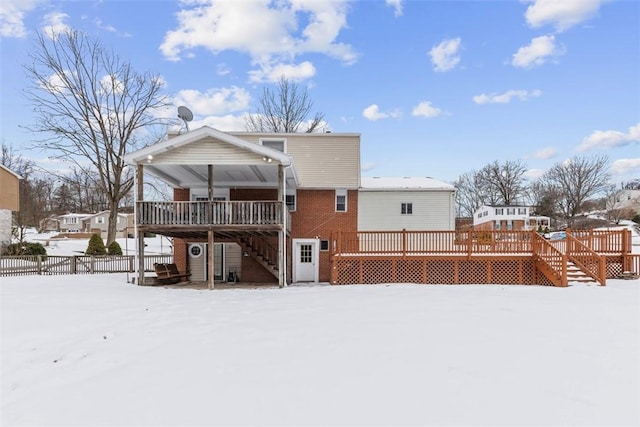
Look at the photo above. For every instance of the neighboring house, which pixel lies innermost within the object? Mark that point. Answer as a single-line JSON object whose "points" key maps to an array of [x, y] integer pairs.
{"points": [[410, 203], [9, 201], [507, 218], [51, 223], [71, 222], [99, 223], [628, 199]]}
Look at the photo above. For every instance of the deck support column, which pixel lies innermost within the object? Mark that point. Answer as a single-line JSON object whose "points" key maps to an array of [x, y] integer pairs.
{"points": [[282, 264], [210, 260], [139, 176]]}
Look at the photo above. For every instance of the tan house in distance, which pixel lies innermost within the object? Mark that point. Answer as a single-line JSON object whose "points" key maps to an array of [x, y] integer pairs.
{"points": [[9, 201], [99, 223]]}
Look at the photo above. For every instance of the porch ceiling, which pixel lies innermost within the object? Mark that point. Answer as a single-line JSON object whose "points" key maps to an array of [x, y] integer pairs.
{"points": [[196, 176]]}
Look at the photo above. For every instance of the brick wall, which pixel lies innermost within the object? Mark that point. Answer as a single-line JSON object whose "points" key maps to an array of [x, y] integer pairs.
{"points": [[316, 217], [180, 245]]}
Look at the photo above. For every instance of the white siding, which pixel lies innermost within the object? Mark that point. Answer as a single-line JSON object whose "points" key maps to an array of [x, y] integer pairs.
{"points": [[322, 160], [232, 259], [5, 227], [380, 210], [207, 151]]}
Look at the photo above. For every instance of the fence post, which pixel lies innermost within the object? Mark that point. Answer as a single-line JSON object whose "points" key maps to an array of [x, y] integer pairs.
{"points": [[603, 270], [91, 264], [39, 264], [131, 259], [404, 243], [469, 243]]}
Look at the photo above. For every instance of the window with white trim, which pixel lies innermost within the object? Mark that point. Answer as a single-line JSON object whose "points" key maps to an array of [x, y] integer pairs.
{"points": [[100, 220], [522, 211], [511, 211], [497, 225], [324, 245], [290, 200], [406, 208], [499, 211], [341, 200]]}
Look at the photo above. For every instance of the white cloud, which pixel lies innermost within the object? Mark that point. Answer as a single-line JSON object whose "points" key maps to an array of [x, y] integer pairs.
{"points": [[425, 109], [214, 101], [610, 139], [545, 153], [267, 31], [562, 14], [505, 98], [367, 166], [54, 24], [396, 5], [533, 174], [227, 123], [445, 55], [12, 13], [537, 52], [625, 166], [273, 73], [372, 112]]}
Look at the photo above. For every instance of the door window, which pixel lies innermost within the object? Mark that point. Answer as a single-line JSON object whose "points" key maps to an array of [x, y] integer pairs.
{"points": [[305, 253]]}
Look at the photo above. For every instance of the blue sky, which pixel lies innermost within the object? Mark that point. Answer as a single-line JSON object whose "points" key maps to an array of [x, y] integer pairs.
{"points": [[435, 88]]}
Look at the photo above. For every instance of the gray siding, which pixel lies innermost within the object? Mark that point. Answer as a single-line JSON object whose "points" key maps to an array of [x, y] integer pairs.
{"points": [[380, 210]]}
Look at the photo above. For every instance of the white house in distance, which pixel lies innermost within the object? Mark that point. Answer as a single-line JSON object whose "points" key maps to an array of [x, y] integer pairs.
{"points": [[410, 203], [507, 218], [71, 222]]}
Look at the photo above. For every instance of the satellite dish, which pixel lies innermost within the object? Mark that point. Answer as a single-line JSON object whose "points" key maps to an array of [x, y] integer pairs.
{"points": [[186, 115]]}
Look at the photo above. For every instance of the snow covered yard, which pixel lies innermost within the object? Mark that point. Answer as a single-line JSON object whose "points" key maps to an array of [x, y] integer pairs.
{"points": [[95, 350]]}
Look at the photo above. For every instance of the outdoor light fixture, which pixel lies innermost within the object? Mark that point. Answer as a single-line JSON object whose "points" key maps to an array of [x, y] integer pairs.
{"points": [[267, 159], [149, 158]]}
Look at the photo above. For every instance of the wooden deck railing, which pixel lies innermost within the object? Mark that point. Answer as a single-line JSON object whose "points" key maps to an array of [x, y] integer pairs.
{"points": [[589, 261], [212, 213], [408, 243], [550, 261]]}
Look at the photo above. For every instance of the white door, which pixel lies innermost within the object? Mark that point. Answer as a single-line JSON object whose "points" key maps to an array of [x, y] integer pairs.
{"points": [[306, 260]]}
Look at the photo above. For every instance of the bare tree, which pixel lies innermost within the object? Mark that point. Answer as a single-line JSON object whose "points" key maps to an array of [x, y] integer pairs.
{"points": [[284, 110], [576, 180], [505, 181], [91, 106], [494, 184], [469, 193], [543, 198]]}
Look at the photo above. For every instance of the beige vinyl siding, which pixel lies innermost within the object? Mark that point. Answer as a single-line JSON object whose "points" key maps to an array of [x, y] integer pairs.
{"points": [[323, 160], [233, 259], [9, 191], [380, 210], [207, 151]]}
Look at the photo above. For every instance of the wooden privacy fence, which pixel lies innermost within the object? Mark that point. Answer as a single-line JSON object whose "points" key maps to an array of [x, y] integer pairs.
{"points": [[478, 256], [19, 265]]}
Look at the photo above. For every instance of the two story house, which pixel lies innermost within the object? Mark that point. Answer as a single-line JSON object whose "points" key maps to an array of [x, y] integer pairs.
{"points": [[508, 218], [258, 207], [9, 202], [98, 223]]}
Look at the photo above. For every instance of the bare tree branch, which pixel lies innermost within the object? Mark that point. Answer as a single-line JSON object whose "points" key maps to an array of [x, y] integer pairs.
{"points": [[284, 110], [92, 108]]}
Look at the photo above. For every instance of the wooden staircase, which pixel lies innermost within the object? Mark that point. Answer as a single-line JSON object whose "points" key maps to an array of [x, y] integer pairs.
{"points": [[262, 252], [575, 274]]}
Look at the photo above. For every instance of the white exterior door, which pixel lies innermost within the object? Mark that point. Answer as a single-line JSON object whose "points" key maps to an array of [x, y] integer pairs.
{"points": [[305, 267]]}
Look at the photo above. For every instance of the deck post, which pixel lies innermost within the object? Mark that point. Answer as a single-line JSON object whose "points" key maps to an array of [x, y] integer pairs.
{"points": [[139, 234], [282, 264], [210, 260]]}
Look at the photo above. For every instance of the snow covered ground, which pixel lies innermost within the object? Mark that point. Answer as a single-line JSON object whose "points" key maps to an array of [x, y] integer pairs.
{"points": [[95, 350]]}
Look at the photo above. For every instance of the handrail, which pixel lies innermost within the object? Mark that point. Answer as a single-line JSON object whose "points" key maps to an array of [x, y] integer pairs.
{"points": [[554, 262], [211, 213], [589, 261]]}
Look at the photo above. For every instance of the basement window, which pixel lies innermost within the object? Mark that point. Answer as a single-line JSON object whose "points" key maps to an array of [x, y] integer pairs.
{"points": [[324, 245], [276, 144]]}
